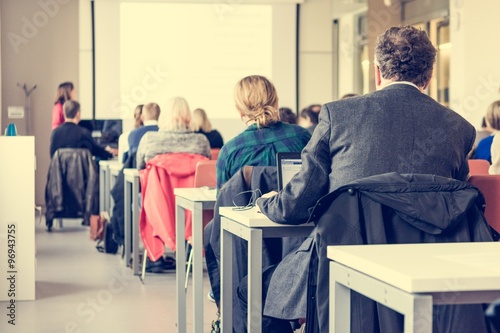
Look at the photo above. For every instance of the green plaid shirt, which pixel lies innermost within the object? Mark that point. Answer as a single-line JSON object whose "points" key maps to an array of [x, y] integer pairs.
{"points": [[258, 147]]}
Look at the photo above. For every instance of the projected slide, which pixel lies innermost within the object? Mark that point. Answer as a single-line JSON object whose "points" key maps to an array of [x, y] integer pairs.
{"points": [[191, 50]]}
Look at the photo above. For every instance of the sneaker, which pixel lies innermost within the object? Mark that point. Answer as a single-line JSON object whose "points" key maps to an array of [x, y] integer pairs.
{"points": [[211, 296]]}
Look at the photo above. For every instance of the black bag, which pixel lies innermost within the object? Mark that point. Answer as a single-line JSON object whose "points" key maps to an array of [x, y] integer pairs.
{"points": [[108, 243]]}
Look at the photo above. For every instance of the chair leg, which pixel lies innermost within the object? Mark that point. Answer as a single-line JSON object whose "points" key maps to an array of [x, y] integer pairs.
{"points": [[188, 268], [143, 274], [39, 210]]}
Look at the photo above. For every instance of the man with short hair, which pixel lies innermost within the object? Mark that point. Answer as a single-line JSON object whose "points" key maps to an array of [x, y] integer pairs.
{"points": [[70, 135], [397, 128], [149, 116]]}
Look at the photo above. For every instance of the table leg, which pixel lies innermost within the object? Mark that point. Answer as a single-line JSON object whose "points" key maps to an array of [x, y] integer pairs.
{"points": [[102, 188], [226, 282], [127, 207], [419, 317], [254, 315], [197, 242], [340, 305], [135, 226], [180, 258]]}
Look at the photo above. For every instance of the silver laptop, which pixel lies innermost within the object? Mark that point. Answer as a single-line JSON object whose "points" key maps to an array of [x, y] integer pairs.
{"points": [[288, 165]]}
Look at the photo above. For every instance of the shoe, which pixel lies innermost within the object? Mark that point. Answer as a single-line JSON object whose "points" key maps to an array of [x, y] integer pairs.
{"points": [[211, 296], [168, 263], [49, 226], [155, 266]]}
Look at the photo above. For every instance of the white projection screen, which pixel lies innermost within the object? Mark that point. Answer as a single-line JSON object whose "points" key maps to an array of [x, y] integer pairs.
{"points": [[152, 51]]}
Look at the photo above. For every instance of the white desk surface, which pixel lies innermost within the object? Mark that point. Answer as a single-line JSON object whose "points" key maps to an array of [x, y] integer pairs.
{"points": [[430, 267], [115, 167], [196, 193], [109, 162], [131, 172], [252, 218]]}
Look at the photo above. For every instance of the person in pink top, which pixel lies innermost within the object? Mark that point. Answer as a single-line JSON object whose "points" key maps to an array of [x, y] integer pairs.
{"points": [[65, 92]]}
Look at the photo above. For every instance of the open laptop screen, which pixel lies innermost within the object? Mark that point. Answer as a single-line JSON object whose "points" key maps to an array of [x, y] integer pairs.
{"points": [[288, 165]]}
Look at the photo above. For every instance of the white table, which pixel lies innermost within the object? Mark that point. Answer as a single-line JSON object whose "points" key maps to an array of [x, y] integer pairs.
{"points": [[252, 226], [196, 200], [410, 278], [104, 185], [113, 171], [131, 217]]}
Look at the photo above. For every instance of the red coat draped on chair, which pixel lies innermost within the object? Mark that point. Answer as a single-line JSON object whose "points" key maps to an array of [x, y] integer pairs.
{"points": [[162, 174]]}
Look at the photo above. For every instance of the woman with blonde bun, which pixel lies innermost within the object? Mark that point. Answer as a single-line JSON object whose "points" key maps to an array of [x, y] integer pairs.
{"points": [[257, 103]]}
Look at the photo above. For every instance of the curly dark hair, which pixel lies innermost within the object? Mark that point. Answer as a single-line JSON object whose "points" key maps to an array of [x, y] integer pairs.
{"points": [[405, 54]]}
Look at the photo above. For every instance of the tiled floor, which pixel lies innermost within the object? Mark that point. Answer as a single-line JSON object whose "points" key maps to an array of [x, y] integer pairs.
{"points": [[79, 290]]}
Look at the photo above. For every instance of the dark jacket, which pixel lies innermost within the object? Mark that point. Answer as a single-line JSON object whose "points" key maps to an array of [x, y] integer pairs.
{"points": [[117, 193], [395, 129], [70, 135], [383, 209], [72, 189], [238, 191]]}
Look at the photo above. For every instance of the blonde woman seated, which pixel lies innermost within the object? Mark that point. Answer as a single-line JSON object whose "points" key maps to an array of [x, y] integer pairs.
{"points": [[201, 124], [257, 103], [174, 135], [157, 219]]}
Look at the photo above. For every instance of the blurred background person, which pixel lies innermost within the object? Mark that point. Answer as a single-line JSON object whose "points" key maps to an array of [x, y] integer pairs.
{"points": [[70, 135], [149, 116], [65, 92], [123, 146], [287, 116], [349, 95], [201, 124], [309, 118], [174, 135], [483, 149]]}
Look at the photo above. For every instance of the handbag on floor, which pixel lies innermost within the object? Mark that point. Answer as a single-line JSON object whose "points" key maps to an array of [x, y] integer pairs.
{"points": [[104, 235], [97, 227]]}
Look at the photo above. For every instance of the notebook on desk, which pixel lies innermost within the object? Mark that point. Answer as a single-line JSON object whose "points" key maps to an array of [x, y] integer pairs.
{"points": [[288, 165]]}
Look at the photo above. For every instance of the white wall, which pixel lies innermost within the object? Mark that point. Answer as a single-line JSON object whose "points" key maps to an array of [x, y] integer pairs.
{"points": [[39, 46], [315, 53], [474, 68]]}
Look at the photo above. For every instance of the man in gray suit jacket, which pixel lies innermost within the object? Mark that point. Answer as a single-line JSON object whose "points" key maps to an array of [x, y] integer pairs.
{"points": [[397, 128]]}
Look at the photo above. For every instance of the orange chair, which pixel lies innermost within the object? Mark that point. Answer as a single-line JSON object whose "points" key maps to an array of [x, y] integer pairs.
{"points": [[479, 167], [205, 173], [489, 185], [215, 153]]}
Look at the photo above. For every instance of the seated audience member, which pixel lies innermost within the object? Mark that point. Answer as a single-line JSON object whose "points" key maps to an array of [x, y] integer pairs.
{"points": [[201, 124], [392, 119], [150, 114], [483, 149], [70, 135], [288, 116], [309, 118], [349, 95], [174, 135], [256, 101], [123, 145]]}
